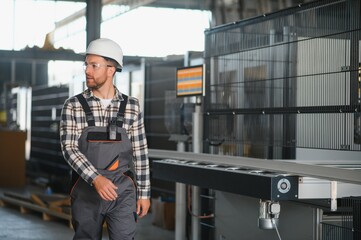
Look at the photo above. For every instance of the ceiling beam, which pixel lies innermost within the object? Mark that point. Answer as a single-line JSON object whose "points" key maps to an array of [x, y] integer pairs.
{"points": [[81, 13]]}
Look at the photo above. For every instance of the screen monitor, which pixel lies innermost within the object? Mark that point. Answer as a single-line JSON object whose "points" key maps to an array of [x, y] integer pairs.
{"points": [[189, 81]]}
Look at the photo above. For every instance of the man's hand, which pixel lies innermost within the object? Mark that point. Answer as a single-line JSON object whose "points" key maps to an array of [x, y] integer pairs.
{"points": [[143, 206], [105, 188]]}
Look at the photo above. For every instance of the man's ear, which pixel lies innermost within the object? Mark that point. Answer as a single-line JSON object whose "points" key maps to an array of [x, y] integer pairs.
{"points": [[111, 71]]}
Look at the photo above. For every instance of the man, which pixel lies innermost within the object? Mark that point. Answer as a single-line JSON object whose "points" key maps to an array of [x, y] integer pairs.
{"points": [[103, 139]]}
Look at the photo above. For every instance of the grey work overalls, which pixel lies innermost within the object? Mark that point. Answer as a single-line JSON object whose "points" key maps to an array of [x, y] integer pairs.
{"points": [[112, 155]]}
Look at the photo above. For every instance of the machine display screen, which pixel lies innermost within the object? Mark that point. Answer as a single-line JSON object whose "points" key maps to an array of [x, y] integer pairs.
{"points": [[189, 81]]}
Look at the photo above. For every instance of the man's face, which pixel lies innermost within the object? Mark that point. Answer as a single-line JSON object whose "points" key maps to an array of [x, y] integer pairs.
{"points": [[97, 71]]}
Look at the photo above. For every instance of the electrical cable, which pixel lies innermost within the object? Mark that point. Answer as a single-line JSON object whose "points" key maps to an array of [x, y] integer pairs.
{"points": [[274, 224], [190, 208]]}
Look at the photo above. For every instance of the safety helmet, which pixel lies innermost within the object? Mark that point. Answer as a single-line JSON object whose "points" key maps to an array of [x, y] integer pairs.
{"points": [[106, 48]]}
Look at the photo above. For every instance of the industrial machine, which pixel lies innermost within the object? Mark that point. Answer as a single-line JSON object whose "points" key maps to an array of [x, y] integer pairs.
{"points": [[272, 182]]}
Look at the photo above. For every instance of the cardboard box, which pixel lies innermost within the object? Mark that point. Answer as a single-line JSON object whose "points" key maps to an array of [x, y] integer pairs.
{"points": [[163, 213], [12, 158]]}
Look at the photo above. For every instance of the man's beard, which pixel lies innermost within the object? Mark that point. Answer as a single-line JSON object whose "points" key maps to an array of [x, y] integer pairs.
{"points": [[95, 85]]}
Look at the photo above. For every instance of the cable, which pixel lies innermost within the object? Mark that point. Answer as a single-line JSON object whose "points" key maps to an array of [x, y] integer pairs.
{"points": [[190, 208], [274, 224]]}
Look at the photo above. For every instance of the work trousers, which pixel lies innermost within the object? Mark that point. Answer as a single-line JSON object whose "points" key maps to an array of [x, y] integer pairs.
{"points": [[89, 211]]}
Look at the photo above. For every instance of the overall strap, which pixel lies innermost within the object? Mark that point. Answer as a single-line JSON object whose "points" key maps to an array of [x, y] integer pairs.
{"points": [[120, 115], [88, 113]]}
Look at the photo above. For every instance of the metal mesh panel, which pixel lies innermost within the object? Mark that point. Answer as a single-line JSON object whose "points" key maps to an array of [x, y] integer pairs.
{"points": [[347, 224], [285, 80]]}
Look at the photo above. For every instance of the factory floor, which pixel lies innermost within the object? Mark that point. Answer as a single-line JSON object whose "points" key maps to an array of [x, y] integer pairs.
{"points": [[28, 226]]}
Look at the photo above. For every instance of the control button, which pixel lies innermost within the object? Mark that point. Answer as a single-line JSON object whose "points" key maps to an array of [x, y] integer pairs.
{"points": [[283, 185]]}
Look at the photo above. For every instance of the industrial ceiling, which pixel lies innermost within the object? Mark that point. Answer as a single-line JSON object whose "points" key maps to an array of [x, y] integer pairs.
{"points": [[223, 11]]}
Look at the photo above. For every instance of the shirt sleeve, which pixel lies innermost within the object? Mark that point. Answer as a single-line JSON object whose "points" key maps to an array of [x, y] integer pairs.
{"points": [[69, 135], [140, 152]]}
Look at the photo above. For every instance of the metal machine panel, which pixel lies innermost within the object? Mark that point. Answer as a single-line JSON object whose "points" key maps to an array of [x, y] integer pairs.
{"points": [[233, 179], [313, 188]]}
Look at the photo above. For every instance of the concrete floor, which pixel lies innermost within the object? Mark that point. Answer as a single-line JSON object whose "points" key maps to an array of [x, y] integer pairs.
{"points": [[19, 226]]}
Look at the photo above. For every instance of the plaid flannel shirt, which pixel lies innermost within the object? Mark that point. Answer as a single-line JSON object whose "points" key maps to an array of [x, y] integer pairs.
{"points": [[73, 122]]}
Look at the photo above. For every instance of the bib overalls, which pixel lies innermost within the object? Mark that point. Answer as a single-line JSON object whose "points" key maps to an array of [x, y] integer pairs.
{"points": [[110, 151]]}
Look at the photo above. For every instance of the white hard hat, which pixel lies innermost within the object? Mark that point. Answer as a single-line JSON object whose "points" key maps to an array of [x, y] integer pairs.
{"points": [[106, 48]]}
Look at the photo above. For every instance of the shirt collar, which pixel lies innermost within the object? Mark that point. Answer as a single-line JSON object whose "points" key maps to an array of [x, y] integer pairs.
{"points": [[117, 97]]}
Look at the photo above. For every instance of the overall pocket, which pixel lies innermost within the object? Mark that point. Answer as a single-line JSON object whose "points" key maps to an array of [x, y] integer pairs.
{"points": [[113, 165], [103, 154]]}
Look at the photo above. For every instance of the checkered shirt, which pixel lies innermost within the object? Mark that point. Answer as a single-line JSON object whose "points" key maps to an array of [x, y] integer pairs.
{"points": [[73, 122]]}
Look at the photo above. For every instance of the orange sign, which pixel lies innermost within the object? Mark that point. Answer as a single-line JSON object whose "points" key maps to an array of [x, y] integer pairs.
{"points": [[190, 81]]}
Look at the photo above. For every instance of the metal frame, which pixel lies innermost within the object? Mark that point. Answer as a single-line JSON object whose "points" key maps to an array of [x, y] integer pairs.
{"points": [[290, 167], [258, 184]]}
